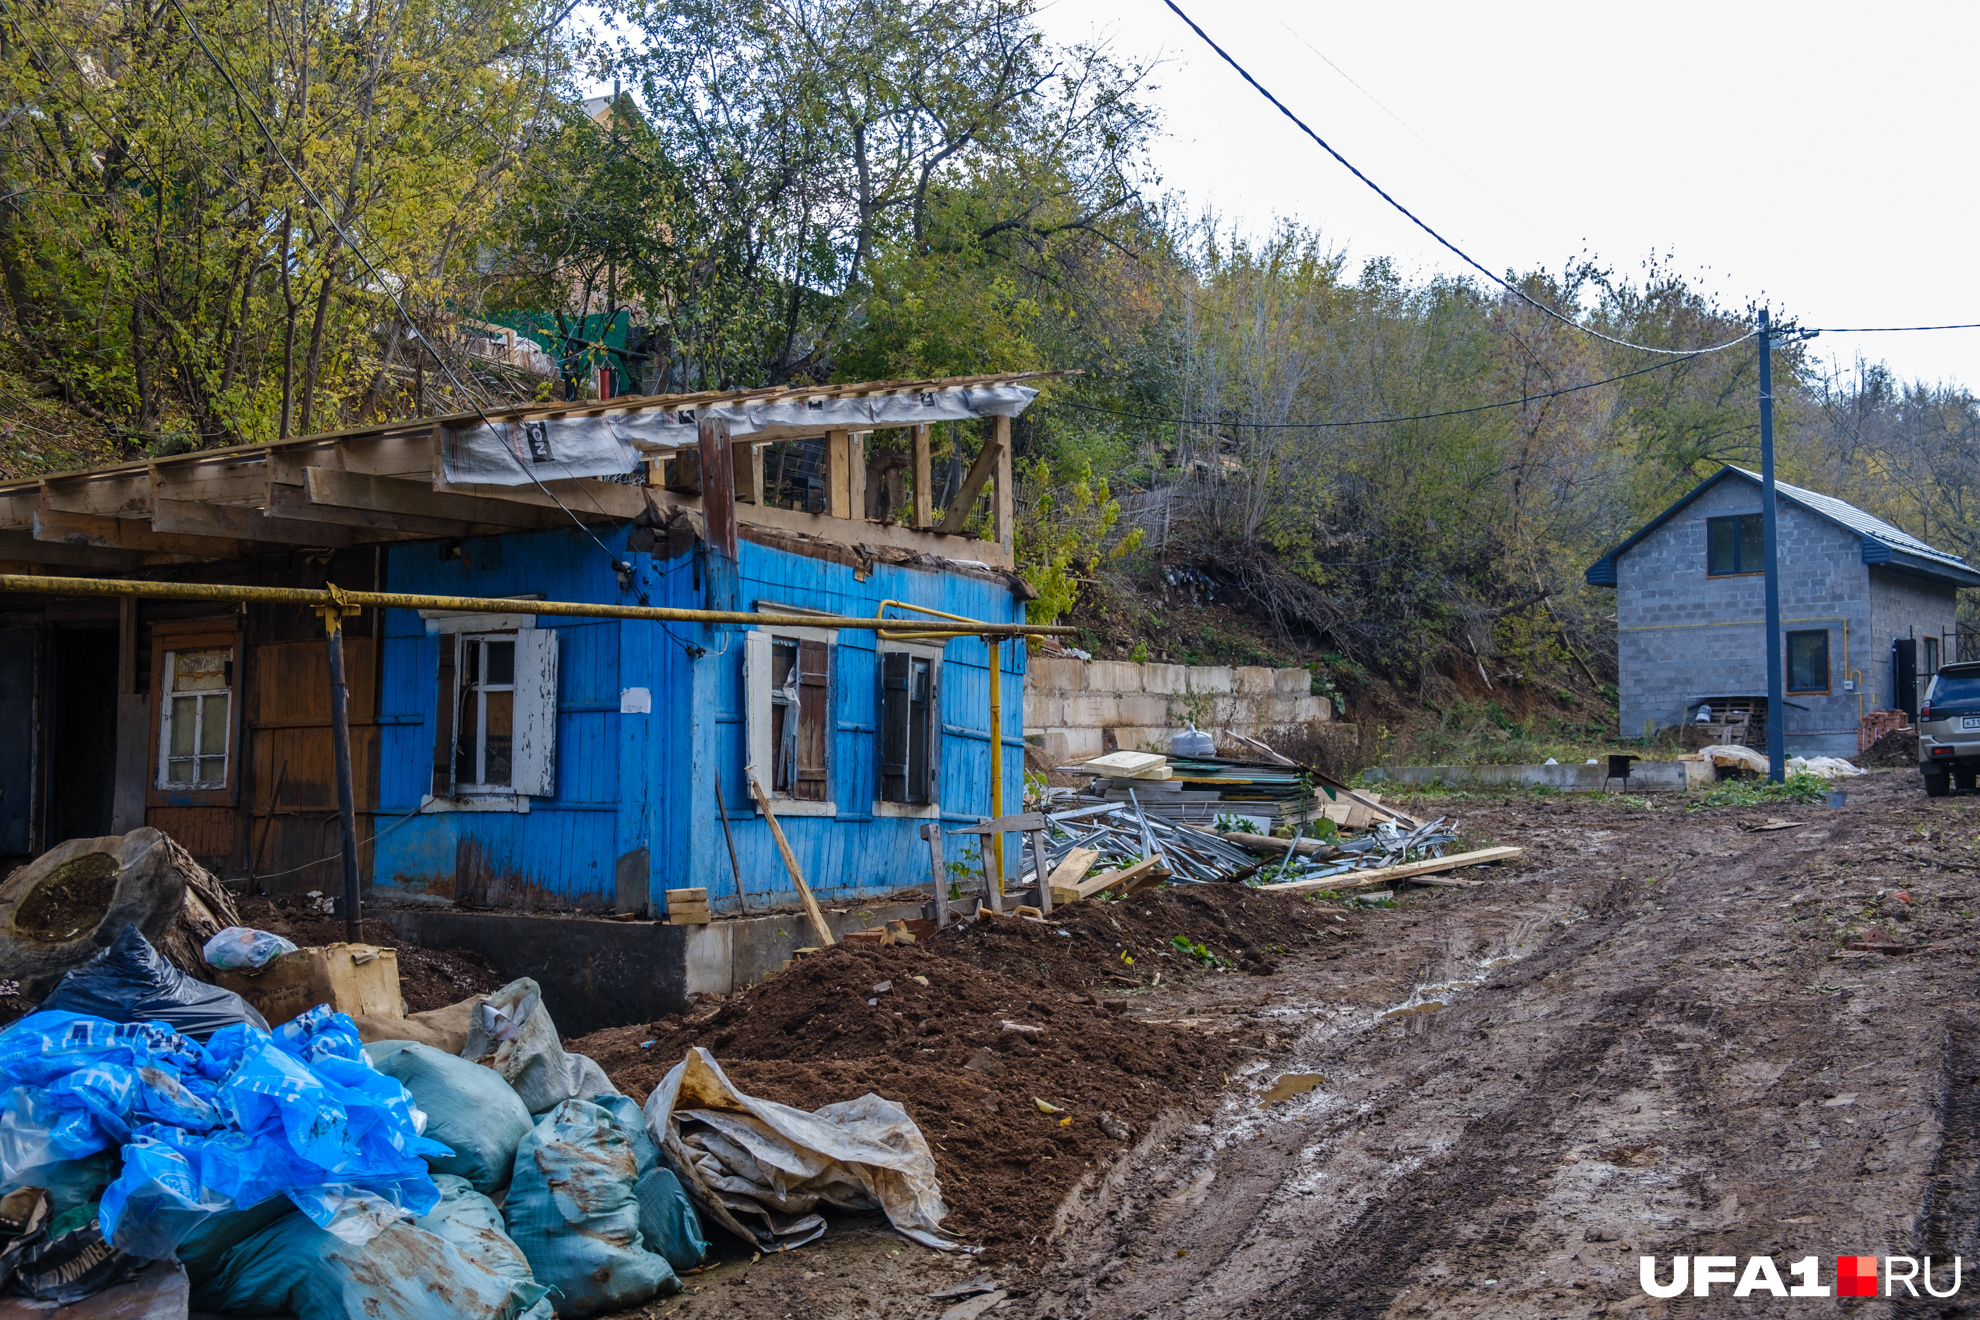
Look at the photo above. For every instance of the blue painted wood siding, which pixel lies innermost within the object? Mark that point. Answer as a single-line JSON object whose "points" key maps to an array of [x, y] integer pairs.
{"points": [[631, 782]]}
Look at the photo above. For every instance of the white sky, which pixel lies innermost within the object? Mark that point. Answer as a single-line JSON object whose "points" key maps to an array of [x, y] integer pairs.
{"points": [[1815, 155]]}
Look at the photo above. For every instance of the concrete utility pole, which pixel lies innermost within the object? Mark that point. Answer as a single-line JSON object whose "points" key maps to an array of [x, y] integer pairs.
{"points": [[1776, 687]]}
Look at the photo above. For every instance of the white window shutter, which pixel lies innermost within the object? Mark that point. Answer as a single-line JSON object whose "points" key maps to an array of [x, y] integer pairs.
{"points": [[534, 768], [756, 705]]}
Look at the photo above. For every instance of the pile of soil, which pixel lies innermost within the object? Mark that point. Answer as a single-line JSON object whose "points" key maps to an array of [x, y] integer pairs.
{"points": [[1896, 750], [825, 1031], [934, 1039], [428, 978]]}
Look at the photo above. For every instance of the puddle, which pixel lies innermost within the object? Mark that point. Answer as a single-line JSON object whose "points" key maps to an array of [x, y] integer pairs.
{"points": [[1289, 1085]]}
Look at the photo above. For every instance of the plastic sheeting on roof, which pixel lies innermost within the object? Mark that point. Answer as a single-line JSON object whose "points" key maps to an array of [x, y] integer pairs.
{"points": [[519, 453]]}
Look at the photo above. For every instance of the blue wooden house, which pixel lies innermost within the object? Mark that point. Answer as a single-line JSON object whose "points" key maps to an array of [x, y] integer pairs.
{"points": [[526, 760]]}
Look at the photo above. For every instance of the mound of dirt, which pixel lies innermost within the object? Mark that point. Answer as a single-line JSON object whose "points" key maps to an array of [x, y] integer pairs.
{"points": [[1896, 750], [935, 1041], [428, 978]]}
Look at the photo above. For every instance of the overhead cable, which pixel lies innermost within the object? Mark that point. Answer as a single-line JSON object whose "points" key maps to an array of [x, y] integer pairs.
{"points": [[1411, 216], [1521, 401], [1885, 329]]}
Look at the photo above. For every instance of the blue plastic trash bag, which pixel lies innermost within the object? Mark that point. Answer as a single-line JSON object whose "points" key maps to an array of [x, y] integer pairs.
{"points": [[407, 1272], [243, 946], [131, 982], [571, 1209], [209, 1130], [468, 1107]]}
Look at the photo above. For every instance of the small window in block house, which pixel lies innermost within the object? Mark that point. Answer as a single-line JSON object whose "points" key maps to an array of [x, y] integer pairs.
{"points": [[788, 681], [908, 741]]}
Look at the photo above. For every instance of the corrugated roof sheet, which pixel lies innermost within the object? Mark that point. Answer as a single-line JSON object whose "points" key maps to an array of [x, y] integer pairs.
{"points": [[1855, 519]]}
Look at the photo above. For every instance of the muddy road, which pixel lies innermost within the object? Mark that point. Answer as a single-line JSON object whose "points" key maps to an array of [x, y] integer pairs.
{"points": [[1647, 1037]]}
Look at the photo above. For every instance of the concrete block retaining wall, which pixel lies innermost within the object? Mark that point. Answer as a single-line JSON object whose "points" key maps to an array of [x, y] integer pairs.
{"points": [[1076, 709], [1567, 778]]}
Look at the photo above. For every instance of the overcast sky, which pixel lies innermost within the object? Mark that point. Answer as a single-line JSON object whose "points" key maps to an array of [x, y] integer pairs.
{"points": [[1817, 156]]}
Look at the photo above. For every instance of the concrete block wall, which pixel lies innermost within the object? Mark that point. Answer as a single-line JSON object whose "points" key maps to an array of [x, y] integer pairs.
{"points": [[1077, 709]]}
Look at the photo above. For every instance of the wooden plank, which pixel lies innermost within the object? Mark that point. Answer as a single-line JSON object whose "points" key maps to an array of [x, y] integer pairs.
{"points": [[418, 499], [586, 498], [1104, 881], [17, 510], [224, 481], [20, 547], [748, 460], [980, 472], [938, 872], [292, 504], [409, 457], [1002, 508], [1265, 843], [811, 909], [245, 524], [924, 494], [1070, 872], [128, 534], [839, 475], [1356, 879], [123, 495], [1024, 824]]}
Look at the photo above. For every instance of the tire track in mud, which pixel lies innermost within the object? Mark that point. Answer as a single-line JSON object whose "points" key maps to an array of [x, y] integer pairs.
{"points": [[1660, 1070]]}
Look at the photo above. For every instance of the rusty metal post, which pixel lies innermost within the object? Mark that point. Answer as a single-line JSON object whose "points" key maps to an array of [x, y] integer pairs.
{"points": [[340, 738]]}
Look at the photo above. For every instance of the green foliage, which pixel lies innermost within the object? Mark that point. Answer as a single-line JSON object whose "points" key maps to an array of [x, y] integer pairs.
{"points": [[1801, 788], [1201, 952], [1064, 534]]}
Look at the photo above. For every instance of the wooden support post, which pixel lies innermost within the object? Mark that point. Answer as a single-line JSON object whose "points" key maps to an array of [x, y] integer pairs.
{"points": [[127, 642], [932, 831], [1038, 864], [749, 472], [718, 512], [993, 844], [340, 739], [1003, 511], [811, 908], [980, 473], [856, 475], [838, 474], [924, 493]]}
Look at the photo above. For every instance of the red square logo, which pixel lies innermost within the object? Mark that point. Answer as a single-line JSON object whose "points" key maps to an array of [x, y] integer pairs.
{"points": [[1856, 1276]]}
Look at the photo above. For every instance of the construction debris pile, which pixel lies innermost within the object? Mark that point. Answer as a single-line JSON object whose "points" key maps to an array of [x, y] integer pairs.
{"points": [[1197, 789]]}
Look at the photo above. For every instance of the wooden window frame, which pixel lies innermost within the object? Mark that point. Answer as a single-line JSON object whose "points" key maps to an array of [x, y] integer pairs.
{"points": [[480, 787], [534, 712], [1738, 569], [1828, 663], [207, 636], [760, 751], [933, 654]]}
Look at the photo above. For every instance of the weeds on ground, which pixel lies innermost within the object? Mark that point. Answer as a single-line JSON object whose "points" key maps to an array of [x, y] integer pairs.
{"points": [[1765, 793]]}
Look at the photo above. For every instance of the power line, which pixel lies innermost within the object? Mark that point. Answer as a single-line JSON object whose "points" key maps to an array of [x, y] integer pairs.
{"points": [[1885, 329], [379, 279], [1451, 247], [1521, 401]]}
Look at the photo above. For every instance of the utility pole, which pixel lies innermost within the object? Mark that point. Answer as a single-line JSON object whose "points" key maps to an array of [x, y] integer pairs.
{"points": [[1776, 687]]}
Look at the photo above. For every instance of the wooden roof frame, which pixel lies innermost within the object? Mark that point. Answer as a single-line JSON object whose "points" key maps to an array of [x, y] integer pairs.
{"points": [[384, 484]]}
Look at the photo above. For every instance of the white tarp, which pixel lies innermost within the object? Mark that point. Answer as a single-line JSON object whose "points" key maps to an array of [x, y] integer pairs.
{"points": [[556, 448], [759, 1169], [511, 1032], [1746, 758]]}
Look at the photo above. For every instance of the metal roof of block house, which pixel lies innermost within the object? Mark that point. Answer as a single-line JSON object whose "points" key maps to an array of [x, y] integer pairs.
{"points": [[1892, 547]]}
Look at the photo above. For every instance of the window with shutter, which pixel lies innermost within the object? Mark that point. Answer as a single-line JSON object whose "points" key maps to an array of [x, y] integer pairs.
{"points": [[788, 709], [495, 731], [906, 726]]}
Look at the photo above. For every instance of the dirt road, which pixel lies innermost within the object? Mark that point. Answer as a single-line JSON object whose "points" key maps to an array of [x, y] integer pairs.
{"points": [[1648, 1038]]}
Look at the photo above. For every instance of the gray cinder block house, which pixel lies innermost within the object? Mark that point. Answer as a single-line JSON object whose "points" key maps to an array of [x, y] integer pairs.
{"points": [[1867, 613]]}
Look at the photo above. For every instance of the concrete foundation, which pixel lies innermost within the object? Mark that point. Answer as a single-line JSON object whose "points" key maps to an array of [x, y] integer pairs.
{"points": [[1643, 775], [597, 973]]}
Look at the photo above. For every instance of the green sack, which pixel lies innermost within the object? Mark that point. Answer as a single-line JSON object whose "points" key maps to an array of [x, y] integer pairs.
{"points": [[467, 1107], [471, 1222], [571, 1209], [408, 1272], [202, 1249], [668, 1220], [626, 1113]]}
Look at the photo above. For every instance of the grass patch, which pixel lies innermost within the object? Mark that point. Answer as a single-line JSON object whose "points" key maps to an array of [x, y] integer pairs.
{"points": [[1803, 788]]}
